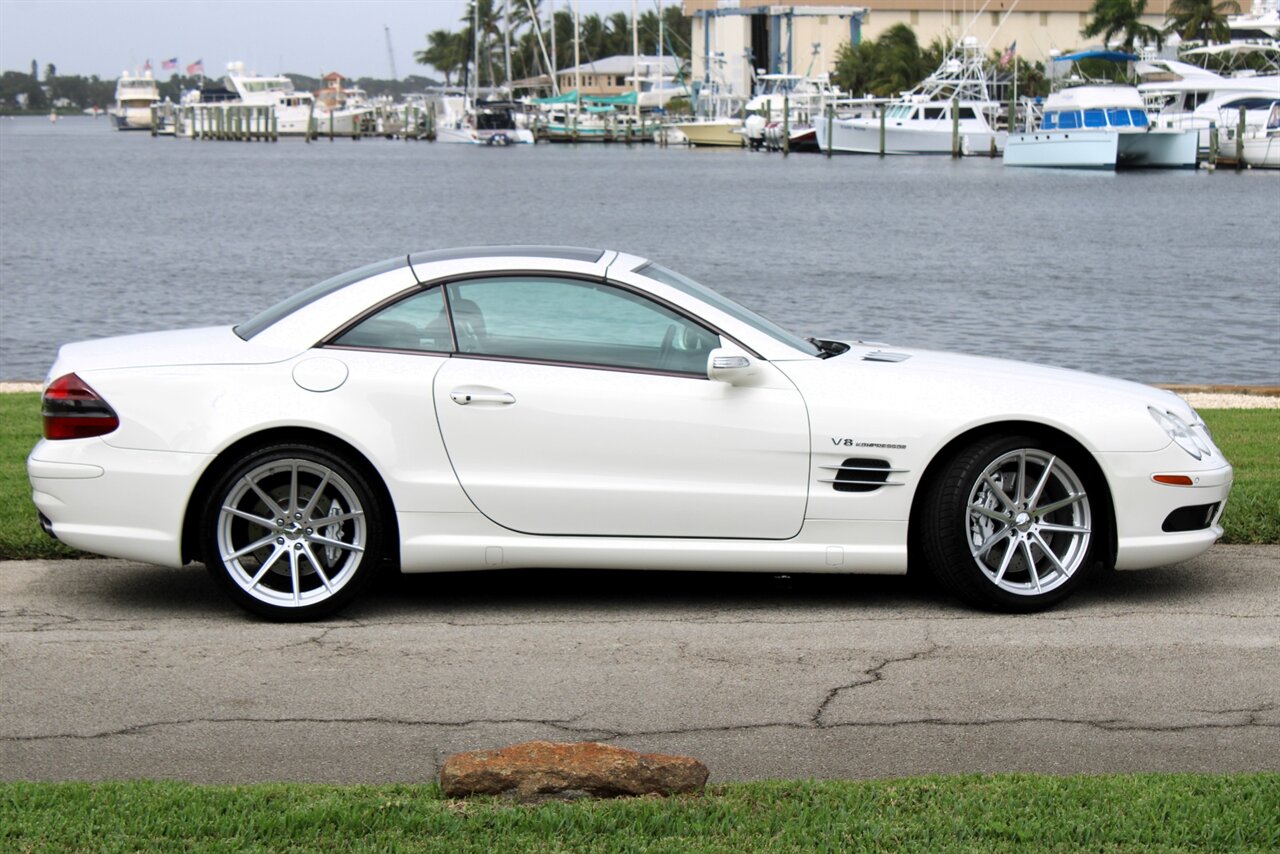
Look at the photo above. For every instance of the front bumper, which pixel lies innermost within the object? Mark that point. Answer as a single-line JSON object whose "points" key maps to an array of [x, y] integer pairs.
{"points": [[114, 501], [1143, 508]]}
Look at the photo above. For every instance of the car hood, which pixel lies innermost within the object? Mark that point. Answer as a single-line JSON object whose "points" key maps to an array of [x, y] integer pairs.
{"points": [[884, 384], [214, 345]]}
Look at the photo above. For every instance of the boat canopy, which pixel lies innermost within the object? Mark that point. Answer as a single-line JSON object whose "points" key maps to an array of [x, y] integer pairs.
{"points": [[1108, 55], [626, 100], [566, 98], [1233, 47]]}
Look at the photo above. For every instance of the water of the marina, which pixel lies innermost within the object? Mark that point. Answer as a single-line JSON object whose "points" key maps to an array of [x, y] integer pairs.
{"points": [[1159, 277]]}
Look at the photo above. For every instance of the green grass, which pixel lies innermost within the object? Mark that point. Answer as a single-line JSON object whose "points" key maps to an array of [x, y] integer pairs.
{"points": [[1251, 440], [20, 534], [1249, 437], [1144, 812]]}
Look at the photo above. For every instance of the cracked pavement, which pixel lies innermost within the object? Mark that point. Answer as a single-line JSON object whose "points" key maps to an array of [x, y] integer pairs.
{"points": [[111, 669]]}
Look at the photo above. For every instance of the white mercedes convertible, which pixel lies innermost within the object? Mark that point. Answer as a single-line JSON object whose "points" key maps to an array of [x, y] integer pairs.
{"points": [[560, 407]]}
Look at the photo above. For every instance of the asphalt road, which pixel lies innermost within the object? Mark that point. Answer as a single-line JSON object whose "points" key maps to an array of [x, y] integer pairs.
{"points": [[116, 670]]}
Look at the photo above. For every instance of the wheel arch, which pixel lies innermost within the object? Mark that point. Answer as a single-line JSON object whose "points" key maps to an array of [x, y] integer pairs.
{"points": [[280, 435], [1092, 473]]}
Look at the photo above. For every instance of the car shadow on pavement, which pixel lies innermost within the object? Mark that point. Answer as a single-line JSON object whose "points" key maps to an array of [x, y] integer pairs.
{"points": [[191, 592]]}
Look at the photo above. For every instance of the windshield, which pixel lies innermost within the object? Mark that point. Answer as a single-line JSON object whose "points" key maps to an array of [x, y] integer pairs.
{"points": [[669, 277]]}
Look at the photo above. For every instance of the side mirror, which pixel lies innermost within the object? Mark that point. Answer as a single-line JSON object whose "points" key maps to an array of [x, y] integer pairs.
{"points": [[729, 367]]}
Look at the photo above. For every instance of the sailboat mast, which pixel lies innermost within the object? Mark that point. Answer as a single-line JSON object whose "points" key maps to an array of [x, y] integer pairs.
{"points": [[555, 65], [635, 60], [475, 47], [506, 41], [577, 57]]}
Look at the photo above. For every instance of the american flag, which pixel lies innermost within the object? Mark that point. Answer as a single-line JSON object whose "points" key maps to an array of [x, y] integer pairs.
{"points": [[146, 66], [170, 64], [1008, 55], [196, 67]]}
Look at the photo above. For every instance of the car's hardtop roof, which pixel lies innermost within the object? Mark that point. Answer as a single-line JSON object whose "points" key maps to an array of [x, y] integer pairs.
{"points": [[566, 253]]}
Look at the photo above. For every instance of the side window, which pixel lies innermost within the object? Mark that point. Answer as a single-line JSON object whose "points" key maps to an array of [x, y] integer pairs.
{"points": [[417, 322], [578, 322]]}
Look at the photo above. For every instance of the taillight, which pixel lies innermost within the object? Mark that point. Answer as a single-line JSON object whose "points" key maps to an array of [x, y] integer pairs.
{"points": [[72, 410]]}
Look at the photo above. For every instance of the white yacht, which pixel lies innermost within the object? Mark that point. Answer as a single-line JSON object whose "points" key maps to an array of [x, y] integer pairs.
{"points": [[135, 95], [296, 112], [921, 121], [1260, 23], [1185, 96], [460, 120], [1100, 127]]}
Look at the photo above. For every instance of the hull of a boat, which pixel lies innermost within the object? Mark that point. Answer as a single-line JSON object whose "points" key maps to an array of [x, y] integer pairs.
{"points": [[470, 136], [725, 133], [1095, 149], [292, 122], [862, 136], [556, 132], [132, 118], [1102, 149], [1263, 152], [1158, 150]]}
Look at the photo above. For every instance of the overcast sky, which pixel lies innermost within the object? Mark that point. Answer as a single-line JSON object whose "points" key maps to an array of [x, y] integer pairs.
{"points": [[105, 37]]}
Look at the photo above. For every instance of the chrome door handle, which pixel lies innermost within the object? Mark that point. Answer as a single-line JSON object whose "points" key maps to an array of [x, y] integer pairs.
{"points": [[462, 398]]}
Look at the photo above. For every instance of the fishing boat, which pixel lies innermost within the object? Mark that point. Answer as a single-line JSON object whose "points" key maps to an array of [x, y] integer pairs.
{"points": [[922, 121], [135, 95], [717, 122], [788, 105]]}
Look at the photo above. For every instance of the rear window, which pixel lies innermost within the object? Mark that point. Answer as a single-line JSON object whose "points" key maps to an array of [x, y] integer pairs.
{"points": [[286, 307]]}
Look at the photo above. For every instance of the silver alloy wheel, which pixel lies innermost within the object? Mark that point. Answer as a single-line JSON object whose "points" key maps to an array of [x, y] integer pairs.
{"points": [[1029, 522], [291, 533]]}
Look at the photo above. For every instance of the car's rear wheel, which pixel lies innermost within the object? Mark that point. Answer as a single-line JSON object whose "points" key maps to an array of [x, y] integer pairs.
{"points": [[1009, 524], [292, 532]]}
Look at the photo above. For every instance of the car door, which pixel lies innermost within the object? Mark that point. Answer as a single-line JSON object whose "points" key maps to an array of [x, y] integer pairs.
{"points": [[577, 407]]}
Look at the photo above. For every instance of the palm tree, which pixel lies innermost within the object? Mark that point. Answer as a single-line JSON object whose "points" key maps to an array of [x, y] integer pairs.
{"points": [[446, 52], [594, 38], [1113, 17], [490, 30], [897, 65], [1201, 20], [617, 34], [854, 64]]}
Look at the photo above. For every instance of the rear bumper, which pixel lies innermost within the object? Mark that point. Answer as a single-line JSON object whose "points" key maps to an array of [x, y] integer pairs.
{"points": [[112, 501]]}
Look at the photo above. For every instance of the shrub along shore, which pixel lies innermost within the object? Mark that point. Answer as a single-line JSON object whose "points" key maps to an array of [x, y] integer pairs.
{"points": [[1249, 437]]}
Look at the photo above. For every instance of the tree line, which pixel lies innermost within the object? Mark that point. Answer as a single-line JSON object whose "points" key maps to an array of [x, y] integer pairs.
{"points": [[452, 53], [17, 87]]}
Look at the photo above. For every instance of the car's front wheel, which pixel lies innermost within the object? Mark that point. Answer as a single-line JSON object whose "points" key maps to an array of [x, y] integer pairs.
{"points": [[1010, 524], [292, 532]]}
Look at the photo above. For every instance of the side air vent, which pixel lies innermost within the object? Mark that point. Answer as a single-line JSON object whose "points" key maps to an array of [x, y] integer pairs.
{"points": [[860, 474]]}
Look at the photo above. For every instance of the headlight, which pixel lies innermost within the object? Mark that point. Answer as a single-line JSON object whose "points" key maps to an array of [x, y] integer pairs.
{"points": [[1181, 432]]}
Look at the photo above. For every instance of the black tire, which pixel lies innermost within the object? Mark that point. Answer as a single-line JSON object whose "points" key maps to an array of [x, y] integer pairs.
{"points": [[1012, 523], [306, 554]]}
